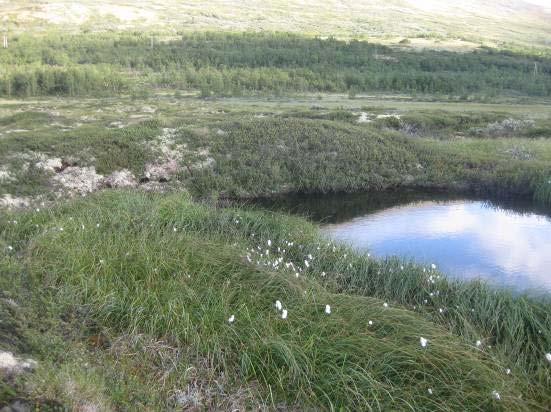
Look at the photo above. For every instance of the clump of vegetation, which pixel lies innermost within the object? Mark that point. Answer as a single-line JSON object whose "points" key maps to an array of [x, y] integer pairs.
{"points": [[440, 123], [504, 128], [543, 191], [266, 156], [261, 157], [24, 119], [221, 307]]}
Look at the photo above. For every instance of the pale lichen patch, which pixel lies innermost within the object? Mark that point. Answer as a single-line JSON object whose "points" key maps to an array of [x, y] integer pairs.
{"points": [[9, 201], [10, 365], [79, 180]]}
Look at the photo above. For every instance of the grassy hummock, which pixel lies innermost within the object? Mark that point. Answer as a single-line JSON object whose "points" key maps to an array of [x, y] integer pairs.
{"points": [[135, 301], [250, 148]]}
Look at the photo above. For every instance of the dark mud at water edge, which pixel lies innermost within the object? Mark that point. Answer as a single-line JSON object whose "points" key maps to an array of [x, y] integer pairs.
{"points": [[507, 243]]}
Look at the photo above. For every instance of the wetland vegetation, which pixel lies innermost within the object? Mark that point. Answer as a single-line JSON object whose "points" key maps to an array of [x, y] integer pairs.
{"points": [[139, 270]]}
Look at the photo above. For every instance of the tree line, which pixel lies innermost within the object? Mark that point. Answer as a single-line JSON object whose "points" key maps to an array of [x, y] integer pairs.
{"points": [[236, 64]]}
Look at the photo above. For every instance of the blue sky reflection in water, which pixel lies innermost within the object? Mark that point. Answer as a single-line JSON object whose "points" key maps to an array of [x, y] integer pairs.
{"points": [[466, 239]]}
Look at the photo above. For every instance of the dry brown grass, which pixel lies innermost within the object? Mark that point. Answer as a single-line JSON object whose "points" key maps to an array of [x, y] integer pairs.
{"points": [[440, 24]]}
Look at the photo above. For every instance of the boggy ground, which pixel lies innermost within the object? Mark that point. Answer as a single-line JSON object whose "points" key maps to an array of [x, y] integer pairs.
{"points": [[132, 300], [253, 147]]}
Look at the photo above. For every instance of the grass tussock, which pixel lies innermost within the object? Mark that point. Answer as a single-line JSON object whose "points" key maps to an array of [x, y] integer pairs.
{"points": [[127, 300], [543, 192]]}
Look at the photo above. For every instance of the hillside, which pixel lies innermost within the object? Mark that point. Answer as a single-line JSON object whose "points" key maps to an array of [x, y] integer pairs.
{"points": [[443, 24]]}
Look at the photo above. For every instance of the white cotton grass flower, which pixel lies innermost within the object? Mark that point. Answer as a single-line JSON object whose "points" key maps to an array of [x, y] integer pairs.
{"points": [[284, 314], [385, 305], [10, 247], [430, 391], [328, 309], [507, 371], [433, 266], [278, 305], [478, 343], [269, 242], [424, 342], [548, 357], [496, 395], [231, 319], [370, 323], [306, 264]]}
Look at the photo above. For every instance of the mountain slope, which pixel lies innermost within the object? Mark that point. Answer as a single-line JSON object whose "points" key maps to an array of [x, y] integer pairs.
{"points": [[492, 22]]}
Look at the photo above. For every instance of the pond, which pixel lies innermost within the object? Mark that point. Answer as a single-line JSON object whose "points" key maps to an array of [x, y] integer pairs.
{"points": [[505, 243]]}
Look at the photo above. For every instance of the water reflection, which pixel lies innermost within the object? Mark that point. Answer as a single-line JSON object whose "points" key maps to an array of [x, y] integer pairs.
{"points": [[335, 208], [507, 244]]}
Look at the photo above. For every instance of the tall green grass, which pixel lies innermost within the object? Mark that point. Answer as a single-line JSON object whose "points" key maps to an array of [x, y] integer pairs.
{"points": [[134, 267], [543, 191]]}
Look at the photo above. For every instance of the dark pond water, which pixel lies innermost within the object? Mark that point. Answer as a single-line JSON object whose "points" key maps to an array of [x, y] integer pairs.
{"points": [[505, 243]]}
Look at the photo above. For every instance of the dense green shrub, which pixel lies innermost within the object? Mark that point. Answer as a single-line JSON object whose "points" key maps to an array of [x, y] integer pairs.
{"points": [[231, 64]]}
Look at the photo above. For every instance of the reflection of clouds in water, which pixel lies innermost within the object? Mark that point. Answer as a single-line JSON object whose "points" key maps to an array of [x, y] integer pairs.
{"points": [[515, 243], [516, 249]]}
